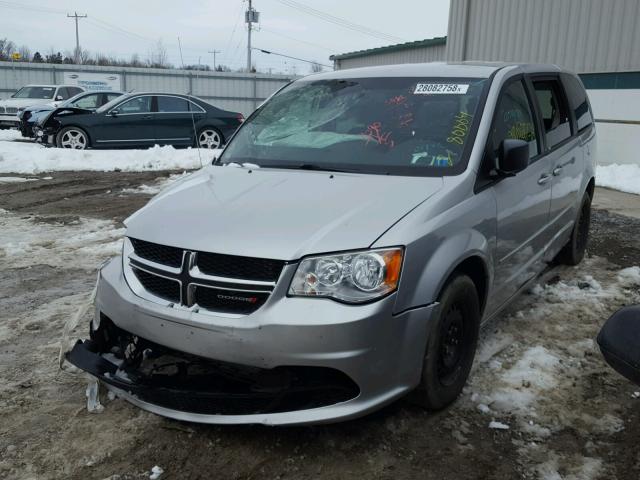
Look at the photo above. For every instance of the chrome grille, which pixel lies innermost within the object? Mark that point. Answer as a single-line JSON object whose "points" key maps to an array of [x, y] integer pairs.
{"points": [[1, 109], [11, 110], [218, 283]]}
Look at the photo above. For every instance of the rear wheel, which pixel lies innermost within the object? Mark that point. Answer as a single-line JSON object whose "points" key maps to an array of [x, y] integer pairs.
{"points": [[451, 346], [573, 252], [72, 137], [209, 137]]}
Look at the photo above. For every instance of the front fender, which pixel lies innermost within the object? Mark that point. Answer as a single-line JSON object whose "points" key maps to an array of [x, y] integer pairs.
{"points": [[428, 269]]}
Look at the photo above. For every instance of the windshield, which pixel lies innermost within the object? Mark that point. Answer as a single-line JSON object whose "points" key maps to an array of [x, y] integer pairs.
{"points": [[43, 93], [413, 126]]}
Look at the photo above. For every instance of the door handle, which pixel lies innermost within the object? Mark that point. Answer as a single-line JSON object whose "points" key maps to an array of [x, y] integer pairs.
{"points": [[544, 178], [557, 171], [146, 117]]}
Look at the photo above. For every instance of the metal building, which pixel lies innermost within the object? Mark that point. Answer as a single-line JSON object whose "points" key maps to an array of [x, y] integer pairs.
{"points": [[429, 50], [239, 92], [598, 39]]}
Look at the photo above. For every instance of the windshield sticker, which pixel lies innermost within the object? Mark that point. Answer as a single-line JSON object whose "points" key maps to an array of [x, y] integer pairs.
{"points": [[460, 128], [47, 89], [374, 134], [441, 88]]}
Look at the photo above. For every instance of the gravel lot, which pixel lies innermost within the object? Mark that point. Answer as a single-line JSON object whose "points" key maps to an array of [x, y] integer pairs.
{"points": [[538, 370]]}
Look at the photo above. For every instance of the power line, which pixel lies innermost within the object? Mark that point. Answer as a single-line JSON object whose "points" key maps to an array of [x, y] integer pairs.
{"points": [[235, 27], [288, 56], [340, 21], [33, 8], [262, 29]]}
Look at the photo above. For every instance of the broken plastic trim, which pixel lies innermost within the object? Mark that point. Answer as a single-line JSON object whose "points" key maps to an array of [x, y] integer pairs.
{"points": [[187, 383]]}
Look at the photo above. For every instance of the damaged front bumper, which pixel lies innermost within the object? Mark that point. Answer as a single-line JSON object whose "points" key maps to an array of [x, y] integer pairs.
{"points": [[294, 361]]}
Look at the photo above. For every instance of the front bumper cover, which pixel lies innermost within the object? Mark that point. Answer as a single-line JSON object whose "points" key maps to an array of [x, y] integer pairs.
{"points": [[377, 350]]}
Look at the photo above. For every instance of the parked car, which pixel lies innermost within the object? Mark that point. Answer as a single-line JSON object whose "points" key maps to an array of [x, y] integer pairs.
{"points": [[347, 244], [619, 342], [90, 101], [33, 95], [141, 120]]}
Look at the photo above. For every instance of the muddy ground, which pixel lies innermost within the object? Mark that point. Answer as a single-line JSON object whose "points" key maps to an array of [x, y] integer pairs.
{"points": [[538, 371]]}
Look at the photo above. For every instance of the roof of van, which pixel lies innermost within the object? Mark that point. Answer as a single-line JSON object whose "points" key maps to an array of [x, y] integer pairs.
{"points": [[432, 69]]}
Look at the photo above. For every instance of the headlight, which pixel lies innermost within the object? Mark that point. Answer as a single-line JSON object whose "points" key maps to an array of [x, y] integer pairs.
{"points": [[353, 277]]}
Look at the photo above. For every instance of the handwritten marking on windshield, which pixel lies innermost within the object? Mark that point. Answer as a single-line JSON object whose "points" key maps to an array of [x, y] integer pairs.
{"points": [[374, 134]]}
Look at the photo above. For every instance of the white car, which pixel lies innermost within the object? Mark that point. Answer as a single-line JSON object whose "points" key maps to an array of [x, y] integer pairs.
{"points": [[31, 95]]}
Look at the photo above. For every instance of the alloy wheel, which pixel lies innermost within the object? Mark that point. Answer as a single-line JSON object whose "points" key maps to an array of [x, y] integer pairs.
{"points": [[73, 139], [209, 138]]}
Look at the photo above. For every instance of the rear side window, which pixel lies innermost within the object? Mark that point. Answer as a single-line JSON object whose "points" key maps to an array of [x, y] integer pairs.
{"points": [[514, 119], [90, 101], [64, 93], [554, 111], [578, 101], [172, 104]]}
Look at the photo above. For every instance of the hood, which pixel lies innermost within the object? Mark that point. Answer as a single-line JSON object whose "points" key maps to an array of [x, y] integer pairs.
{"points": [[23, 102], [61, 112], [275, 213]]}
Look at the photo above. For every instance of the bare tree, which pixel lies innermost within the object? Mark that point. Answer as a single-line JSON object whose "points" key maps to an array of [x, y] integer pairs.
{"points": [[158, 56], [25, 53], [7, 47]]}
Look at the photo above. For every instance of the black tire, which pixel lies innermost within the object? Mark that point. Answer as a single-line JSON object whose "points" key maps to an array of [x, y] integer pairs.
{"points": [[63, 140], [451, 346], [215, 138], [573, 252]]}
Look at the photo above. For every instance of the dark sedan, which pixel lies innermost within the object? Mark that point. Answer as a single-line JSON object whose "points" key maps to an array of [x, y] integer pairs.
{"points": [[141, 120], [29, 117]]}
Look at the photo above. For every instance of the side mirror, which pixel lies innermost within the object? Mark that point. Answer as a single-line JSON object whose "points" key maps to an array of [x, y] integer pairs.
{"points": [[513, 157], [59, 97], [113, 113], [619, 342]]}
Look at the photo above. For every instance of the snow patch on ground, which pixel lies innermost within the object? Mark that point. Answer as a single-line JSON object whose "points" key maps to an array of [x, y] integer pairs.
{"points": [[157, 187], [16, 179], [536, 365], [625, 178], [32, 158], [78, 243]]}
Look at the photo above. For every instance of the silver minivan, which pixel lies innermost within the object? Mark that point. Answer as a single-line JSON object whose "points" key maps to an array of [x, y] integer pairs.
{"points": [[346, 246]]}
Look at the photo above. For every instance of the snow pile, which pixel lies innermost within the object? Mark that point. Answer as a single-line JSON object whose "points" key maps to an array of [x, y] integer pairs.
{"points": [[625, 178], [31, 158], [10, 135]]}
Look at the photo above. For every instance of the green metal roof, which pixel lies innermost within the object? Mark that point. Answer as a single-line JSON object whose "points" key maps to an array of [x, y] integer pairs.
{"points": [[429, 42]]}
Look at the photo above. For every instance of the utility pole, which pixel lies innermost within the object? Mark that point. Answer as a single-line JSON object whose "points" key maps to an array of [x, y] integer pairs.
{"points": [[214, 57], [250, 17], [76, 17]]}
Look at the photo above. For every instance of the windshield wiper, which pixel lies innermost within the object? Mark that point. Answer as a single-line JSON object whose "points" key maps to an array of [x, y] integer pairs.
{"points": [[312, 167]]}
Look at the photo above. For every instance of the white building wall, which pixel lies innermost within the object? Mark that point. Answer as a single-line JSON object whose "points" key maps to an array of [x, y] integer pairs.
{"points": [[617, 142]]}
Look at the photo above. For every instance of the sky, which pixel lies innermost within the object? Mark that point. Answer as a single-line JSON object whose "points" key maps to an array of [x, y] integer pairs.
{"points": [[122, 28]]}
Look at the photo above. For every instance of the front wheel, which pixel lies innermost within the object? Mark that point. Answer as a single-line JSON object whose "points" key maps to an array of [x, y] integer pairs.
{"points": [[72, 137], [573, 252], [209, 137], [451, 346]]}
